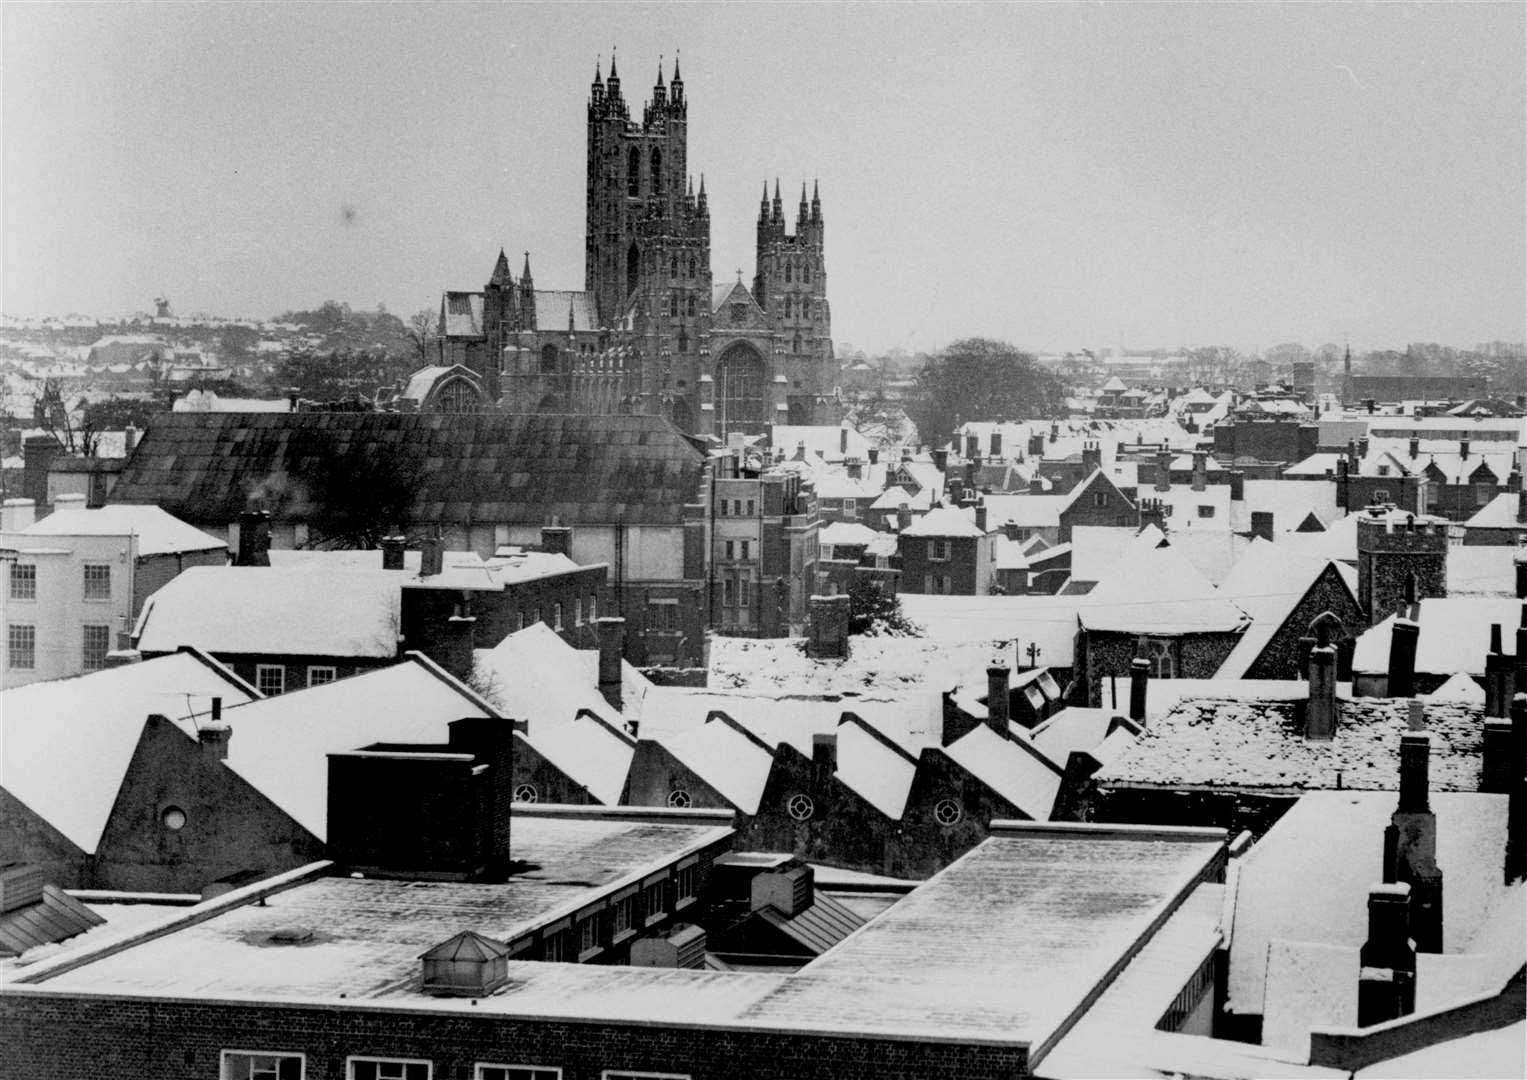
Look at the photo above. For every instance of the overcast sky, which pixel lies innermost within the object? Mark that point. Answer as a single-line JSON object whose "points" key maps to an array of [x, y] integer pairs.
{"points": [[1062, 176]]}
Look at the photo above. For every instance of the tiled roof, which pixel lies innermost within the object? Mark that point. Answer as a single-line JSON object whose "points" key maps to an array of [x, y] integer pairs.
{"points": [[158, 533], [207, 467], [463, 314], [1259, 744], [552, 307]]}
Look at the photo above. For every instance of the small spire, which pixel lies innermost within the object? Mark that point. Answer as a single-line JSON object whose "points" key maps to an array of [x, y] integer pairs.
{"points": [[701, 206], [598, 64], [613, 75], [677, 78], [525, 274], [660, 70], [501, 271]]}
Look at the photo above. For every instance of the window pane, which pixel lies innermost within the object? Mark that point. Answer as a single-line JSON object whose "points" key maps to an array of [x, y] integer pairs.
{"points": [[97, 644], [22, 647], [97, 581], [24, 582]]}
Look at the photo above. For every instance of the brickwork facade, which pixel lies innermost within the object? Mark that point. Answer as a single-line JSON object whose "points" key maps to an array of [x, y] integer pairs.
{"points": [[1389, 554], [1283, 656]]}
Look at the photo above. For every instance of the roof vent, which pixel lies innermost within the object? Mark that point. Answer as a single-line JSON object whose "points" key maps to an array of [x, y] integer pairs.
{"points": [[682, 947], [788, 891], [290, 935], [467, 965]]}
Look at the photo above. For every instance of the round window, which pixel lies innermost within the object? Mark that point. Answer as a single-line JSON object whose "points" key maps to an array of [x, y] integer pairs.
{"points": [[173, 818], [947, 812], [801, 807], [526, 793], [679, 798]]}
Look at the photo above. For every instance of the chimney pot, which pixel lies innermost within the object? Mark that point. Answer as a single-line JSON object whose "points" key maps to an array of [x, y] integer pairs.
{"points": [[254, 539], [393, 552], [214, 736], [1139, 678], [431, 556], [1415, 716], [1402, 658]]}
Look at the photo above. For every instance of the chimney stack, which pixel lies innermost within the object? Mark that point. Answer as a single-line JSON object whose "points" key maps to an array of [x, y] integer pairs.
{"points": [[1163, 470], [1387, 987], [828, 630], [843, 440], [1320, 709], [431, 556], [393, 548], [215, 735], [981, 514], [1139, 679], [1415, 447], [874, 453], [1262, 524], [1036, 485], [1200, 470], [612, 633], [254, 539], [17, 514], [557, 540], [997, 702], [1402, 658], [824, 756], [1498, 676], [941, 459], [1415, 856]]}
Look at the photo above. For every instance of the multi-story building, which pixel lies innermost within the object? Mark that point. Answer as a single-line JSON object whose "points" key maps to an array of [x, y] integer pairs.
{"points": [[764, 552], [651, 331], [79, 577]]}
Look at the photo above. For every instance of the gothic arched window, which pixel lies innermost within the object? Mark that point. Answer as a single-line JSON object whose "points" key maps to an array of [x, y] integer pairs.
{"points": [[634, 173], [805, 307], [657, 171], [740, 391], [689, 307], [548, 358], [673, 266], [787, 273], [797, 344], [806, 270], [691, 266], [683, 341], [789, 306], [673, 305]]}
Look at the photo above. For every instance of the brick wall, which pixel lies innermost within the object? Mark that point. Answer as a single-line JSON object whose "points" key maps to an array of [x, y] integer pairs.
{"points": [[75, 1037], [1105, 653], [1281, 657]]}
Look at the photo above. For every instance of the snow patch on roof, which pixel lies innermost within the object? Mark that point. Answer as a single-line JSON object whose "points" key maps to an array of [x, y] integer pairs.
{"points": [[1455, 636], [726, 759], [1019, 774], [880, 774], [158, 533]]}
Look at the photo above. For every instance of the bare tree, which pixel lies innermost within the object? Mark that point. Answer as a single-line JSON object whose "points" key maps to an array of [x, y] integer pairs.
{"points": [[422, 332]]}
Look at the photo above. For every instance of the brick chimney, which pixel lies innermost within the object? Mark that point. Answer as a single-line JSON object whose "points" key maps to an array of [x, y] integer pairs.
{"points": [[1163, 470], [1463, 449], [1139, 679], [392, 552], [612, 635], [17, 514], [828, 628], [996, 445], [1262, 524], [997, 701], [431, 556], [1387, 987], [1415, 447], [1200, 470], [1402, 658], [1320, 709], [254, 539], [214, 735], [843, 440], [1092, 458], [1498, 676], [824, 757], [557, 540], [1036, 485], [37, 454], [874, 453], [1036, 446], [1416, 843], [941, 459], [981, 514]]}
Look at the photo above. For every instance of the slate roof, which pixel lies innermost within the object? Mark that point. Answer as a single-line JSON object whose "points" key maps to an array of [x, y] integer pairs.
{"points": [[552, 307], [208, 467], [1243, 745], [463, 314]]}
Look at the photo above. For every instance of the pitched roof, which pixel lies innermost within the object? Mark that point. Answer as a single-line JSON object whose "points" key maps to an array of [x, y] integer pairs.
{"points": [[472, 468], [158, 533], [425, 379], [1209, 742], [281, 744], [67, 743], [552, 306], [1010, 767], [1157, 591], [1455, 635], [1267, 582], [463, 314], [945, 521], [298, 611], [1498, 513], [872, 765], [727, 756]]}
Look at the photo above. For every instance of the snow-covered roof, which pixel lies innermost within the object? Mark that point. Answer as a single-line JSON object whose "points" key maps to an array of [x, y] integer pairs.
{"points": [[275, 611], [832, 442], [1025, 511], [158, 533], [1499, 513], [727, 757], [1482, 569], [876, 666], [554, 305], [983, 622], [1075, 727], [1318, 464], [831, 484], [1289, 502], [1096, 548], [1157, 590], [875, 768], [896, 497], [1308, 879], [1460, 689], [534, 675], [67, 743], [1267, 582], [1211, 551], [281, 744], [587, 748], [1011, 767], [848, 533], [1207, 742], [945, 521], [1455, 635]]}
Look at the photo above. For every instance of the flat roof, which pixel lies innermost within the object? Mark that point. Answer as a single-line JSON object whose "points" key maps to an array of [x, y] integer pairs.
{"points": [[1005, 946], [368, 933]]}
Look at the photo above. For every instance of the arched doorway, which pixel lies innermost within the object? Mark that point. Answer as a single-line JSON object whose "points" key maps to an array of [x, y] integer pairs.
{"points": [[740, 404]]}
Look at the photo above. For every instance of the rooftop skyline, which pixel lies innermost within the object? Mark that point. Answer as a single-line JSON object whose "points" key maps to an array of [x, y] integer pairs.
{"points": [[1062, 176]]}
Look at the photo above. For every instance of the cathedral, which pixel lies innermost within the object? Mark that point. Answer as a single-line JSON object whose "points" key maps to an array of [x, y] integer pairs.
{"points": [[652, 331]]}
